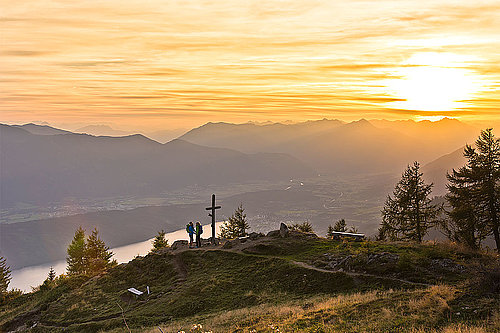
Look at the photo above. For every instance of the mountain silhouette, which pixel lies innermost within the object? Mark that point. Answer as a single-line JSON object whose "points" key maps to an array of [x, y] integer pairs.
{"points": [[435, 171], [41, 129], [44, 168], [334, 147]]}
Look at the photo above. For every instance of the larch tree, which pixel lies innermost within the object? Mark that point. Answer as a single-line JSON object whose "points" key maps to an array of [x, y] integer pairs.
{"points": [[474, 193], [97, 254], [236, 225], [76, 258], [409, 212], [160, 241]]}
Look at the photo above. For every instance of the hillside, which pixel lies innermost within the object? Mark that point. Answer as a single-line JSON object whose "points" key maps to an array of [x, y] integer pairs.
{"points": [[270, 284], [40, 169], [435, 172]]}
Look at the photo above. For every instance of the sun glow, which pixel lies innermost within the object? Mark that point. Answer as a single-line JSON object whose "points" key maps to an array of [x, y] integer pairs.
{"points": [[434, 82]]}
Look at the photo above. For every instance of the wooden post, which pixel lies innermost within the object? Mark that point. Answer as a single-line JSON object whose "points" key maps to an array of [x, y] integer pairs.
{"points": [[212, 214]]}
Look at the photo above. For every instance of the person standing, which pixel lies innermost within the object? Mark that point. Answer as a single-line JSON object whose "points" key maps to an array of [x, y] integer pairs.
{"points": [[190, 231], [199, 231]]}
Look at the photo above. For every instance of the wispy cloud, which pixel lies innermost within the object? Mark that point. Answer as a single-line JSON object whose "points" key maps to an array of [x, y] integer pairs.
{"points": [[182, 63]]}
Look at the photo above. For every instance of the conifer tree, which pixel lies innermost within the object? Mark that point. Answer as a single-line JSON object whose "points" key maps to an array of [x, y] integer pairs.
{"points": [[303, 227], [353, 230], [5, 276], [409, 213], [340, 226], [49, 282], [160, 242], [97, 254], [76, 253], [474, 193], [236, 225], [52, 274], [329, 231]]}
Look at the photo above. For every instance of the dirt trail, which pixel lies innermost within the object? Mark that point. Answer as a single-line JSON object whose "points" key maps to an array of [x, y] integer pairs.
{"points": [[307, 266]]}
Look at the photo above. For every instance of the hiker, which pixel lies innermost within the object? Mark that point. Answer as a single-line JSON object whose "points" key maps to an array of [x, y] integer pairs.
{"points": [[199, 231], [190, 231]]}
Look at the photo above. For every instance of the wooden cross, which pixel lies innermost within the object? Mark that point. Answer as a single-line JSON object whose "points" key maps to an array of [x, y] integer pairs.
{"points": [[212, 214]]}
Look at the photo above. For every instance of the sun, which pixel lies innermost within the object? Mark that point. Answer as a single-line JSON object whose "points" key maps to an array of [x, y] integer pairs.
{"points": [[434, 82]]}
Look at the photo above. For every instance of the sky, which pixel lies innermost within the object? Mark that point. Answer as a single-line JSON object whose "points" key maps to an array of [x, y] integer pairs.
{"points": [[156, 64]]}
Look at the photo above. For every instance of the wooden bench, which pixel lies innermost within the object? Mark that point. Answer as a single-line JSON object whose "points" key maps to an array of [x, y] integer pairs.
{"points": [[337, 235]]}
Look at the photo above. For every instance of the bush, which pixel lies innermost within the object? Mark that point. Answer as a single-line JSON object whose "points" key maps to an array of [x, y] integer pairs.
{"points": [[302, 227]]}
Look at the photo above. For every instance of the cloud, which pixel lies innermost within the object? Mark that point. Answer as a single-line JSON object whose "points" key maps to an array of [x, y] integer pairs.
{"points": [[259, 60]]}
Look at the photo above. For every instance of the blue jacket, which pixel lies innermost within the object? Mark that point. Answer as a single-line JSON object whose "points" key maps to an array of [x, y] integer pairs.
{"points": [[190, 229]]}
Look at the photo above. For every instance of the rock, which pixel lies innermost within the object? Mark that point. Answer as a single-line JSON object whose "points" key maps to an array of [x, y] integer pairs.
{"points": [[448, 265], [227, 245], [254, 235], [283, 230], [303, 235], [179, 243], [274, 233]]}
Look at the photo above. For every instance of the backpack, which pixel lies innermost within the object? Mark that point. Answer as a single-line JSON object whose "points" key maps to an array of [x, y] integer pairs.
{"points": [[187, 228], [200, 229]]}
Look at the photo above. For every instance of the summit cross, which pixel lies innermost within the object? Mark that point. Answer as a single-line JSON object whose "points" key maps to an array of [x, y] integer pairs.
{"points": [[212, 214]]}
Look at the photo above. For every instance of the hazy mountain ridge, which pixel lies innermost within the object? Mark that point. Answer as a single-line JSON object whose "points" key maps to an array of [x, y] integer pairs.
{"points": [[41, 129], [100, 130], [435, 171], [47, 168], [335, 147]]}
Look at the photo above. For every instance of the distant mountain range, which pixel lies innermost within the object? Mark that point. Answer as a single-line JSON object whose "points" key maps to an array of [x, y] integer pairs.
{"points": [[100, 130], [41, 164], [45, 168], [335, 147], [41, 129]]}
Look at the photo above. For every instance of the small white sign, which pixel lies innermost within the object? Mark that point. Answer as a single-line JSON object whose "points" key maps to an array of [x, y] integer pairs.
{"points": [[135, 291]]}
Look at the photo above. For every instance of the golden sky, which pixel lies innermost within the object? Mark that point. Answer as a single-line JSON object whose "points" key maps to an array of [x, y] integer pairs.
{"points": [[153, 64]]}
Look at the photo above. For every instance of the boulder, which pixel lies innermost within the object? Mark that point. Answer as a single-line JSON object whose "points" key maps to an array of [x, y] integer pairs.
{"points": [[303, 235], [179, 243], [283, 230], [254, 235], [273, 233]]}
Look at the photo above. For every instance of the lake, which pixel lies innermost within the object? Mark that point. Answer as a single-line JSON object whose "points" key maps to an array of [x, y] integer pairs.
{"points": [[33, 276]]}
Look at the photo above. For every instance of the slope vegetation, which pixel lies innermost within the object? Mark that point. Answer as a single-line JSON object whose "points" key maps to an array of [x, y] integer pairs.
{"points": [[275, 284]]}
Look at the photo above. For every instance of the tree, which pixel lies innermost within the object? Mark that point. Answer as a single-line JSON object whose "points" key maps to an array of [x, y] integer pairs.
{"points": [[340, 226], [236, 225], [353, 230], [160, 242], [88, 256], [303, 227], [52, 274], [49, 282], [5, 276], [330, 231], [76, 253], [409, 213], [97, 254], [474, 193]]}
